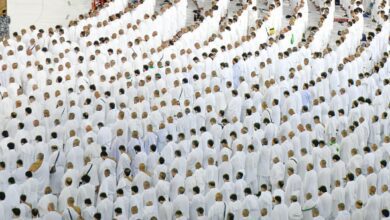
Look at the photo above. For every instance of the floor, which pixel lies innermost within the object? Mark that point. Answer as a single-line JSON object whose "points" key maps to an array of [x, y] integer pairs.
{"points": [[44, 13]]}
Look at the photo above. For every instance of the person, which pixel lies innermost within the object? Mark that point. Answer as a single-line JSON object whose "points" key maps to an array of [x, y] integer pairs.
{"points": [[308, 206], [96, 4], [4, 207], [85, 191], [30, 188], [342, 213], [52, 213], [293, 185], [165, 209], [5, 21], [72, 211], [265, 199], [250, 202], [324, 203], [13, 193], [119, 214], [88, 211], [358, 213], [280, 211], [295, 209], [16, 213], [385, 214], [310, 181], [200, 213], [316, 214], [218, 209], [372, 208], [105, 206], [67, 192]]}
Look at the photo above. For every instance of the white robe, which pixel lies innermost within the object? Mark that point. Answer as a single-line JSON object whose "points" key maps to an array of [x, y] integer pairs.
{"points": [[280, 212], [217, 211], [182, 203], [30, 188], [324, 205], [106, 208], [372, 208], [293, 186], [67, 192], [295, 211], [310, 183]]}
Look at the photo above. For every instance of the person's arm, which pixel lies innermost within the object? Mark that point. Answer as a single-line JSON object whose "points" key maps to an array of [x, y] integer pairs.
{"points": [[77, 209], [35, 166]]}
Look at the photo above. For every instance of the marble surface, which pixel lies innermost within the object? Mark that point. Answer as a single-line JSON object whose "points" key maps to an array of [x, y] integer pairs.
{"points": [[44, 13]]}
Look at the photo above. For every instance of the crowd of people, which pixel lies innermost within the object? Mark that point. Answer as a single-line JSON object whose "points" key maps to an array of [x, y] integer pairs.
{"points": [[134, 112]]}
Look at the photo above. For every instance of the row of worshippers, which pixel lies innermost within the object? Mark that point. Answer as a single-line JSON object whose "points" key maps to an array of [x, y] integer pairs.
{"points": [[349, 103], [158, 187]]}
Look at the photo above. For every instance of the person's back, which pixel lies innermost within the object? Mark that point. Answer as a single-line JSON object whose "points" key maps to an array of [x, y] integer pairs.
{"points": [[217, 210], [280, 210], [52, 215], [4, 209], [105, 206], [325, 204], [5, 21]]}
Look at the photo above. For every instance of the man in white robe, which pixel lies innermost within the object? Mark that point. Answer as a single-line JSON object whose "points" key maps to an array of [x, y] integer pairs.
{"points": [[123, 162], [383, 175], [265, 199], [310, 182], [251, 165], [295, 209], [12, 193], [45, 200], [104, 135], [67, 192], [165, 209], [338, 196], [342, 213], [324, 203], [324, 175], [108, 185], [385, 198], [105, 206], [123, 203], [4, 207], [85, 191], [280, 210], [88, 211], [234, 106], [350, 191], [76, 155], [293, 185], [361, 181], [307, 207], [277, 173], [56, 162], [52, 213], [30, 188], [218, 209], [358, 212], [372, 208], [181, 203], [250, 203]]}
